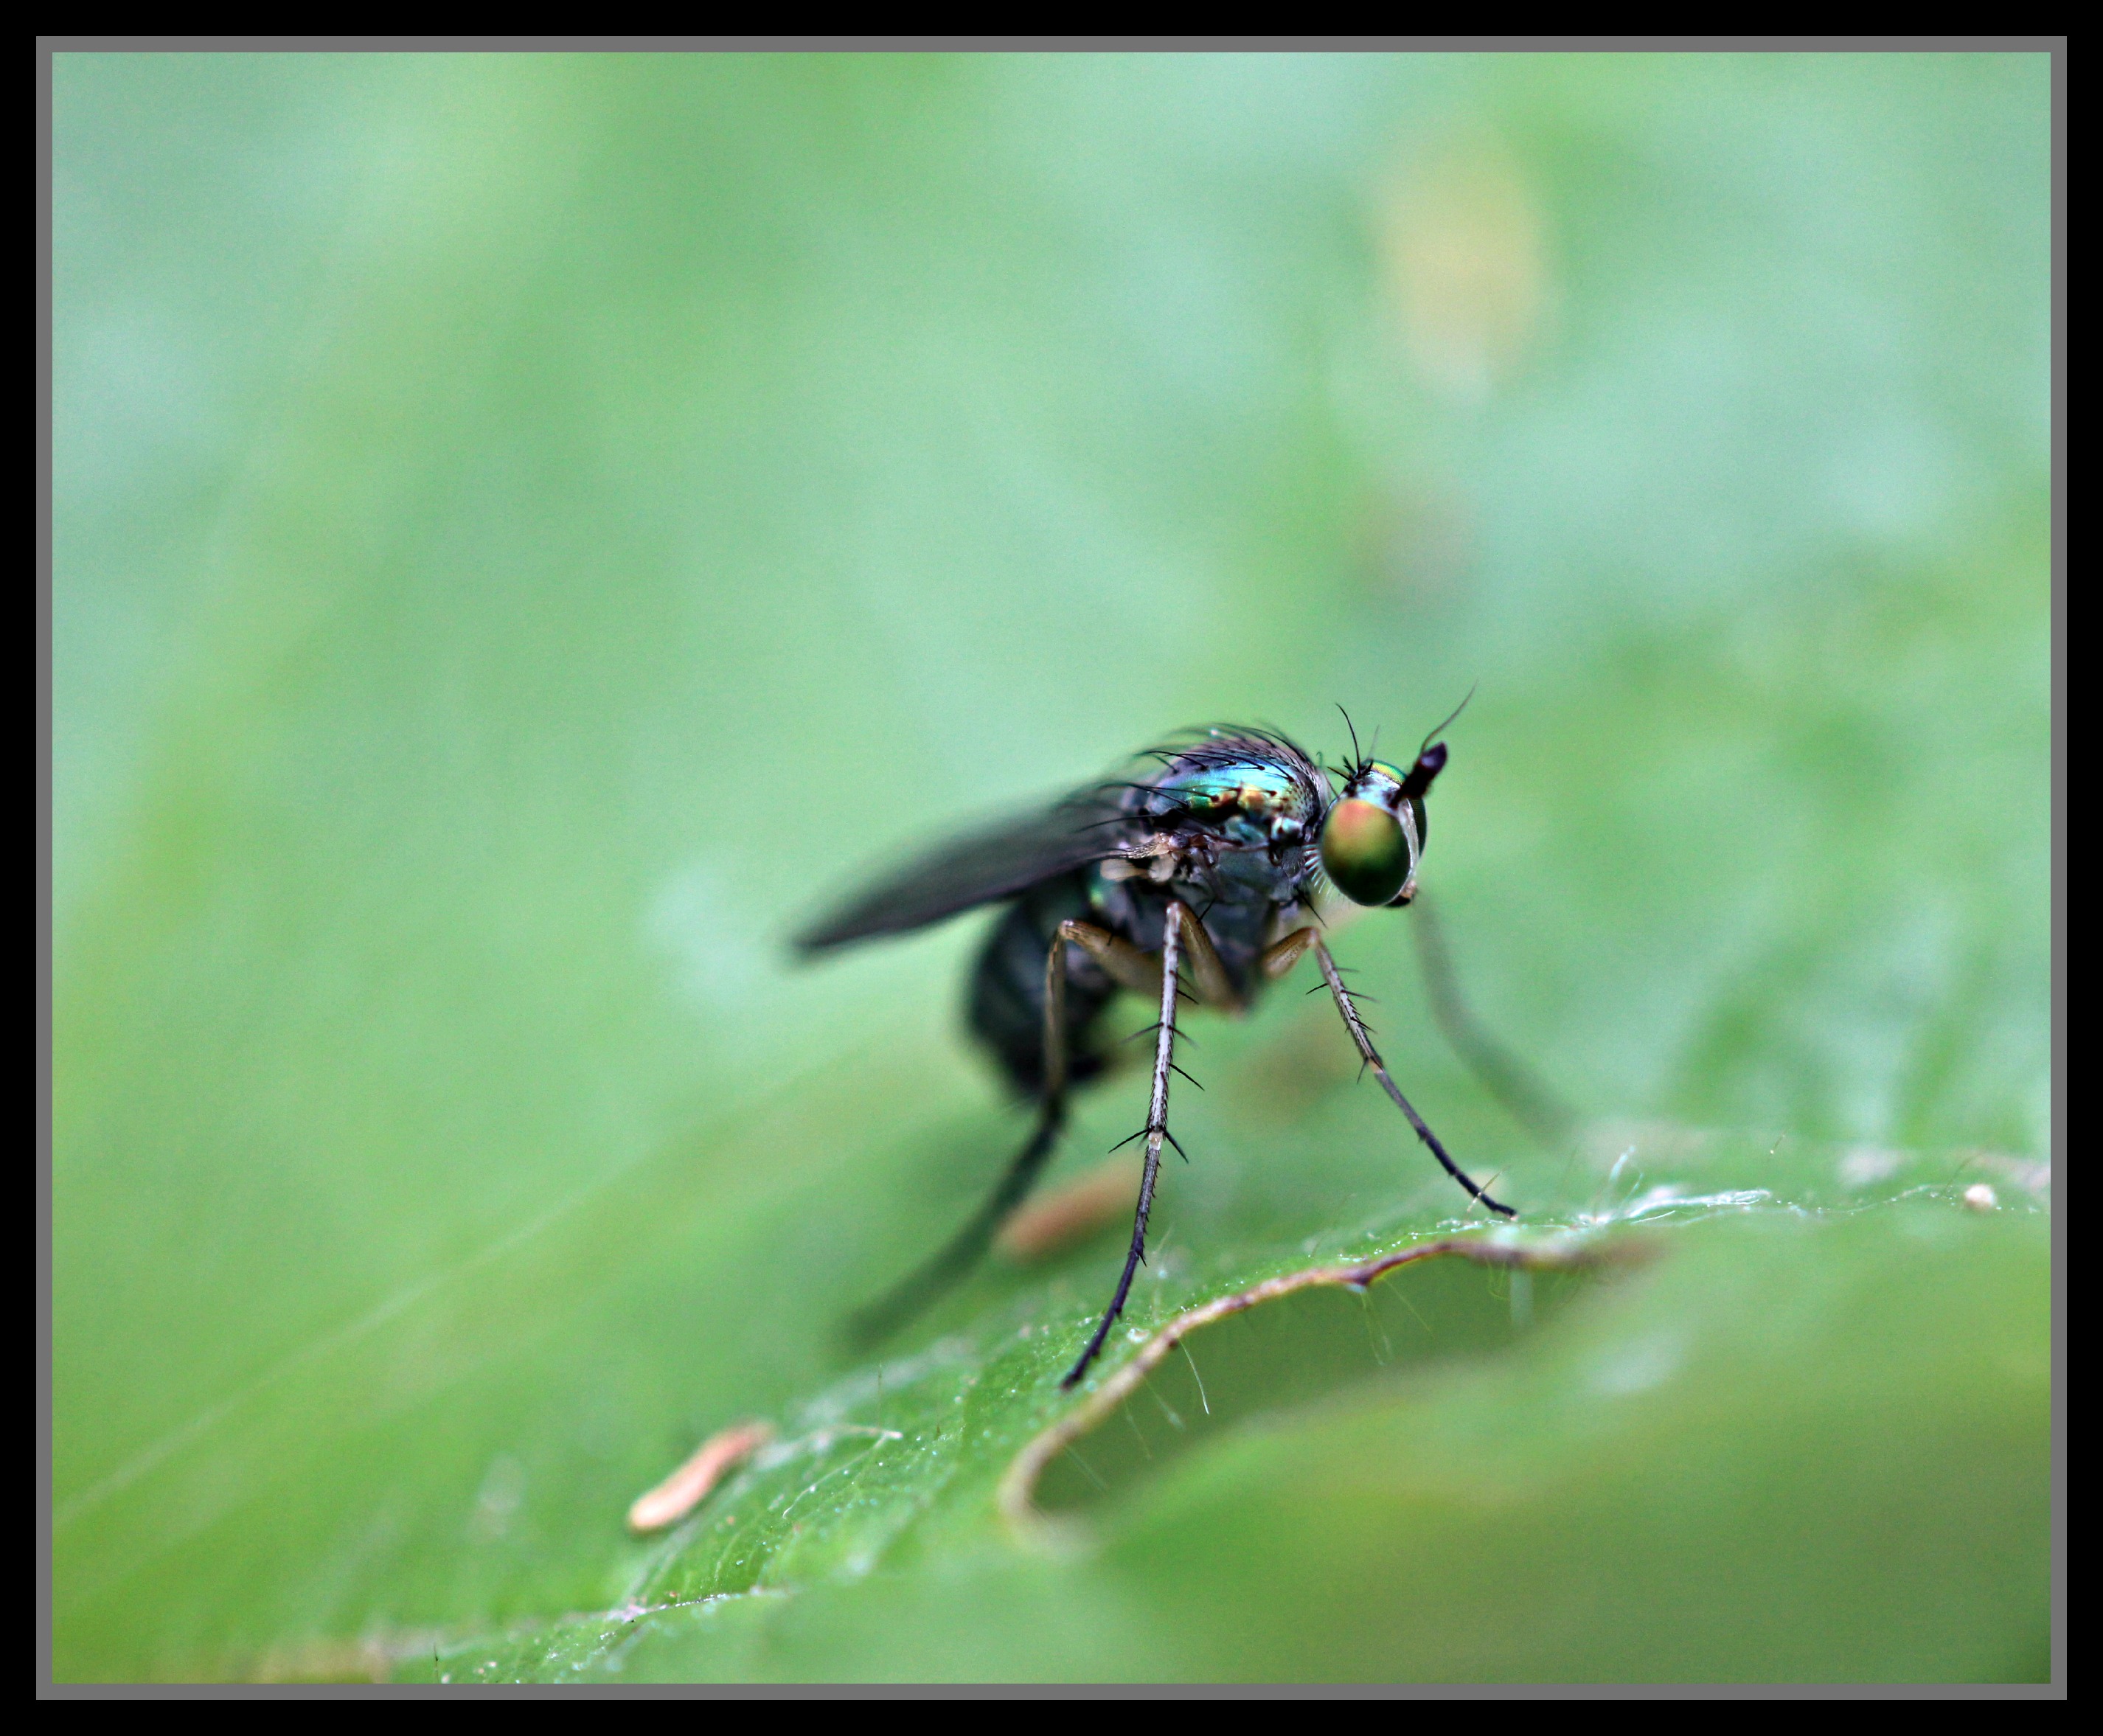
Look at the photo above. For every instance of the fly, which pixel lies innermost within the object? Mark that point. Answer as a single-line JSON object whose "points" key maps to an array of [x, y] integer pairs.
{"points": [[1196, 881]]}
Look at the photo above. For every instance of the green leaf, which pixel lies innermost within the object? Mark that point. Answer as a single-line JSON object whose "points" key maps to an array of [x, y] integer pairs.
{"points": [[529, 529], [1782, 1440]]}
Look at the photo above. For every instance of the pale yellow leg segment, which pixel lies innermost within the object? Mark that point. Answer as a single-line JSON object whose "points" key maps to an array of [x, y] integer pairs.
{"points": [[1208, 975], [1126, 964], [1055, 1025], [1281, 956]]}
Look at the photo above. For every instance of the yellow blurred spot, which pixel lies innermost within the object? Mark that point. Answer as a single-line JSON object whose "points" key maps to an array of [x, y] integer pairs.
{"points": [[1466, 259]]}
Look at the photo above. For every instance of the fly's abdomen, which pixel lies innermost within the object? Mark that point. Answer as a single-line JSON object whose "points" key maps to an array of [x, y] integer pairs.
{"points": [[1007, 1005]]}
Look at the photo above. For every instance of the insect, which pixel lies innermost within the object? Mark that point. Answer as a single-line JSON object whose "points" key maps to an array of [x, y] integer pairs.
{"points": [[1198, 880]]}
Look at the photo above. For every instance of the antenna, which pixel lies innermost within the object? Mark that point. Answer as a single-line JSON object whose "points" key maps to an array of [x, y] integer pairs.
{"points": [[1357, 759], [1440, 729]]}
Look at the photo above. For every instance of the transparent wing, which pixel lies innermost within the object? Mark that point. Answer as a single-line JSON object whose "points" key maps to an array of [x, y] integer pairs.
{"points": [[977, 868]]}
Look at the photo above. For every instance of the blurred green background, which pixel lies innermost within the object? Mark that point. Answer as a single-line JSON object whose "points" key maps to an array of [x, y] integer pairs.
{"points": [[528, 529]]}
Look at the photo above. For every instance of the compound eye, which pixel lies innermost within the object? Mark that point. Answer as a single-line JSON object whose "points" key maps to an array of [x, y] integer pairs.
{"points": [[1364, 851]]}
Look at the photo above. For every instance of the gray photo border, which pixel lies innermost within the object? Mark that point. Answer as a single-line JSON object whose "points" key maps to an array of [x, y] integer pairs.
{"points": [[49, 47]]}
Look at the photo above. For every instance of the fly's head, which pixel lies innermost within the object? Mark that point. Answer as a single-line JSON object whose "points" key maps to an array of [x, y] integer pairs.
{"points": [[1373, 835]]}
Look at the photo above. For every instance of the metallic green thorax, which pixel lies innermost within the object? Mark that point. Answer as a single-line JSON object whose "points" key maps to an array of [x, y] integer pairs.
{"points": [[1227, 825], [1252, 803]]}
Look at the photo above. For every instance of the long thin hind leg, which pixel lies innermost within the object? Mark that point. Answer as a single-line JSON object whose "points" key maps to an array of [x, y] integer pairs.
{"points": [[1525, 1097], [1156, 1130], [881, 1318], [1363, 1038]]}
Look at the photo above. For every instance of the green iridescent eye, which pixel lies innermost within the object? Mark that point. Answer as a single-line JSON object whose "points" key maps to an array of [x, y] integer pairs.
{"points": [[1364, 851]]}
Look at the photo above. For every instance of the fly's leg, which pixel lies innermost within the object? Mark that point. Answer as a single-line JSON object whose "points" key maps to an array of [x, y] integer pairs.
{"points": [[1122, 962], [881, 1318], [1208, 975], [1525, 1097], [872, 1324], [1276, 959], [1156, 1130], [1363, 1038]]}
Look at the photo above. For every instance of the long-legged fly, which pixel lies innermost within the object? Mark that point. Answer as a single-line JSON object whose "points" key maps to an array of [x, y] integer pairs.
{"points": [[1198, 880]]}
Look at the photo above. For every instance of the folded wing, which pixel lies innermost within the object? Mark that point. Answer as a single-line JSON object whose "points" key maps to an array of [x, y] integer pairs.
{"points": [[982, 867]]}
